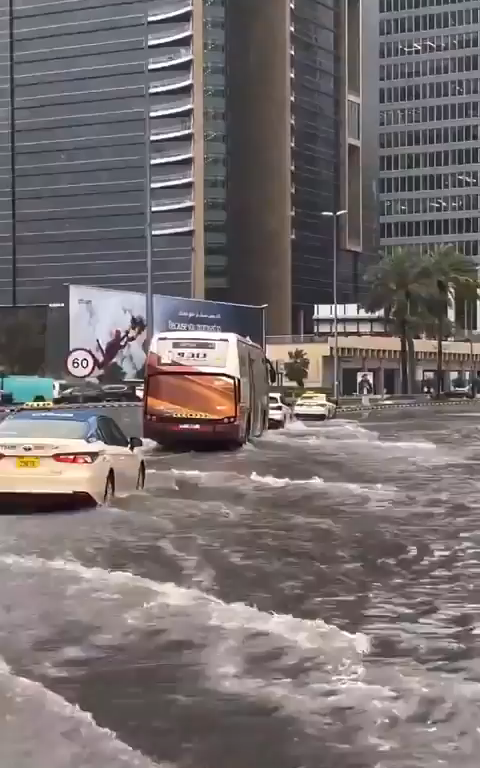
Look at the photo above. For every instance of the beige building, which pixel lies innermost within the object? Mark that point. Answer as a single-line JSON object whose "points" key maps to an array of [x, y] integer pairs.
{"points": [[378, 354]]}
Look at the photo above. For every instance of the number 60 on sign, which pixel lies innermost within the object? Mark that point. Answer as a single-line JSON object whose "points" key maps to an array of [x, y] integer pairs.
{"points": [[80, 363]]}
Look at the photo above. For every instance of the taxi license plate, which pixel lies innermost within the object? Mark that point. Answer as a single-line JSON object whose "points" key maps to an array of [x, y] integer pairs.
{"points": [[27, 462]]}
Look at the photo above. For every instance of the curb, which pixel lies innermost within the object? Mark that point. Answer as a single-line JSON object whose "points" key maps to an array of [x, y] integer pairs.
{"points": [[65, 406], [391, 406]]}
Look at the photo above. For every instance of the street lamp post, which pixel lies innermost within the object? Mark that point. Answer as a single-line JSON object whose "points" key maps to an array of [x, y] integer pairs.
{"points": [[148, 191], [334, 215]]}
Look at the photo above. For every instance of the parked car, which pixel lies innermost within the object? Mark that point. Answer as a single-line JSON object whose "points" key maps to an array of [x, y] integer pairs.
{"points": [[120, 393], [457, 393], [89, 392]]}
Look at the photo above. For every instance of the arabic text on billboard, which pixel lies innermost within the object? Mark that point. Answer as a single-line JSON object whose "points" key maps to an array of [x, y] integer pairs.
{"points": [[111, 325]]}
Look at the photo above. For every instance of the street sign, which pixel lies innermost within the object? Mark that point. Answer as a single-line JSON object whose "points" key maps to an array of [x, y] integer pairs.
{"points": [[80, 363]]}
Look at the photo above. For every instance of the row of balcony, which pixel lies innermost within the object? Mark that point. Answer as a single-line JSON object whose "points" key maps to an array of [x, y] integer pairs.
{"points": [[171, 149]]}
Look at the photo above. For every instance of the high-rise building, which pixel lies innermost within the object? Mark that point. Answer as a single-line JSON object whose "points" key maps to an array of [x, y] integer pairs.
{"points": [[254, 123], [74, 163], [429, 154], [294, 135]]}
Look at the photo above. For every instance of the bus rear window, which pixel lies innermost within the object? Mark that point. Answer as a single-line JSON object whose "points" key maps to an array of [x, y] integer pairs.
{"points": [[199, 352]]}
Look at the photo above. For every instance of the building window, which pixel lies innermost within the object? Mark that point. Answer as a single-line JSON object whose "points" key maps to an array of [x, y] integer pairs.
{"points": [[353, 120]]}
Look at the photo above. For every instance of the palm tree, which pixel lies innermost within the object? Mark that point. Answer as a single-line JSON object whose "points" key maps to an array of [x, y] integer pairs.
{"points": [[297, 366], [397, 285], [447, 272]]}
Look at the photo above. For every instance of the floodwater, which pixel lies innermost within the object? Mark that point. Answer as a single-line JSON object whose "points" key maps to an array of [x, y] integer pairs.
{"points": [[310, 602]]}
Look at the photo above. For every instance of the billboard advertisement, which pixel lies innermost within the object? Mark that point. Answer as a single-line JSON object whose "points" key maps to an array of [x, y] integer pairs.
{"points": [[111, 325], [172, 314]]}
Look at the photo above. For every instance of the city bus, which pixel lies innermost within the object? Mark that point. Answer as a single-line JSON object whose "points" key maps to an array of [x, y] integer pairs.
{"points": [[205, 386]]}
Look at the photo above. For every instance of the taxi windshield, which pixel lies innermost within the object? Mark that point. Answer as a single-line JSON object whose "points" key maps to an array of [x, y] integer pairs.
{"points": [[46, 427]]}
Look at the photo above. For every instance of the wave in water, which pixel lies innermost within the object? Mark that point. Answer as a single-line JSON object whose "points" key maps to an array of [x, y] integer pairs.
{"points": [[233, 643], [254, 481], [344, 433], [39, 728]]}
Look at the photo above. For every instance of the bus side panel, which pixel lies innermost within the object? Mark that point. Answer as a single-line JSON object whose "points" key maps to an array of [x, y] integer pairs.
{"points": [[244, 404], [260, 405]]}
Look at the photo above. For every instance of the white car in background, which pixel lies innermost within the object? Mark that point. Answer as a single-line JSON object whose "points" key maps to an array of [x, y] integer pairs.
{"points": [[73, 456], [313, 406], [279, 413]]}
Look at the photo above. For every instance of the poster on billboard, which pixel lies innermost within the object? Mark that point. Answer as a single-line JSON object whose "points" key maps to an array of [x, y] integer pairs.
{"points": [[173, 314], [111, 325], [365, 385]]}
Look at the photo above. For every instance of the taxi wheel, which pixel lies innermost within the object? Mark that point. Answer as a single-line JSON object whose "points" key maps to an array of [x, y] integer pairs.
{"points": [[109, 494], [141, 478]]}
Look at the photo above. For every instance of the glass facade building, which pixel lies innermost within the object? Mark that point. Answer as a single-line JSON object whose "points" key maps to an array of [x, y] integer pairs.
{"points": [[80, 88], [429, 71], [295, 133], [215, 149], [238, 123]]}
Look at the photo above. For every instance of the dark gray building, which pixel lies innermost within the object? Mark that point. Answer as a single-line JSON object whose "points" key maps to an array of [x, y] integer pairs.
{"points": [[429, 69], [74, 88], [75, 137], [254, 117], [295, 152]]}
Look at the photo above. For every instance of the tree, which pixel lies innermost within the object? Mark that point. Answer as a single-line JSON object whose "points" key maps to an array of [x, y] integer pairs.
{"points": [[398, 285], [296, 368], [447, 272]]}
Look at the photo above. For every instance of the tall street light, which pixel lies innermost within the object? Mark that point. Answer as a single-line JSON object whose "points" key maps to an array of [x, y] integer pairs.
{"points": [[148, 190], [335, 215]]}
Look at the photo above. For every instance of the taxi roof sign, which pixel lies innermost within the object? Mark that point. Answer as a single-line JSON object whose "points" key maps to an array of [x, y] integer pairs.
{"points": [[37, 404]]}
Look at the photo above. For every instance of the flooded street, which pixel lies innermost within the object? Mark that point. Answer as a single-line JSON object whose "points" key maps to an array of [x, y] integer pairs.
{"points": [[312, 601]]}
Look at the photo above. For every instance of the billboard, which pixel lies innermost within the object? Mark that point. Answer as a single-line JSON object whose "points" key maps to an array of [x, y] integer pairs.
{"points": [[172, 314], [111, 325]]}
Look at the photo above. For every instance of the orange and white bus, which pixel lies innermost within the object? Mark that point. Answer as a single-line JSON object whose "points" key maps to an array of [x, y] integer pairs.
{"points": [[204, 386]]}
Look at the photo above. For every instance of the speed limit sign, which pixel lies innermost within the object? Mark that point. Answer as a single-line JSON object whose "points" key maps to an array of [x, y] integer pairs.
{"points": [[80, 363]]}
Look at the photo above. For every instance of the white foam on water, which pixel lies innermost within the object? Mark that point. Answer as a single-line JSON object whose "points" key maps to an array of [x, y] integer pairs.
{"points": [[405, 444], [243, 482], [39, 729], [227, 636], [348, 433], [332, 427], [150, 445], [124, 583]]}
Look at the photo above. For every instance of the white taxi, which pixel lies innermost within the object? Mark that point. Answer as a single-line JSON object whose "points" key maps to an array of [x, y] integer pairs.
{"points": [[77, 456], [313, 406]]}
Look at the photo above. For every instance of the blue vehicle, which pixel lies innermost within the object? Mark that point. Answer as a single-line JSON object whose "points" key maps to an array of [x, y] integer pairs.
{"points": [[24, 389]]}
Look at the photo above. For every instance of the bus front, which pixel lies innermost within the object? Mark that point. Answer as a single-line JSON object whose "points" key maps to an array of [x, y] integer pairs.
{"points": [[191, 390]]}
